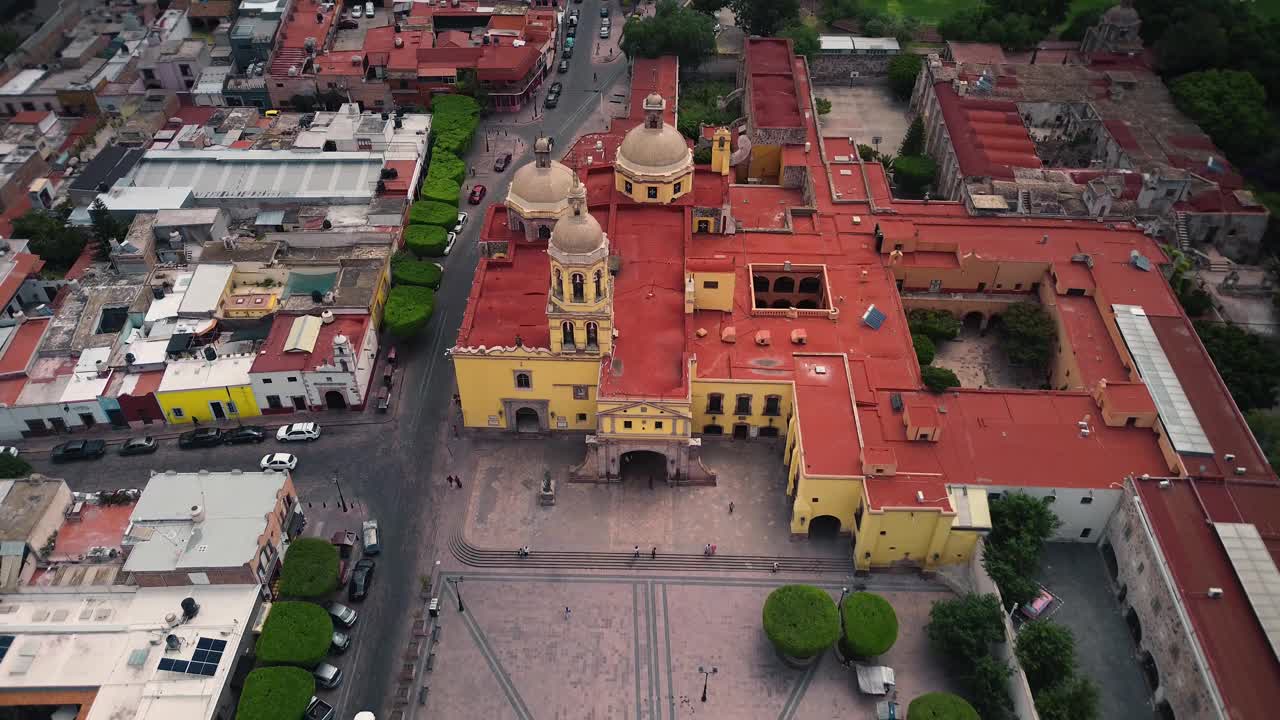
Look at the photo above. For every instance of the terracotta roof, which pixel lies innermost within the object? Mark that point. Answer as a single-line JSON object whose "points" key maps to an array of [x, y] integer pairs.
{"points": [[22, 346], [273, 357]]}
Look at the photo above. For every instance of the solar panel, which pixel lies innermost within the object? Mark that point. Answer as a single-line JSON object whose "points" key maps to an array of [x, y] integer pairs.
{"points": [[1257, 574], [204, 661], [6, 641], [1139, 261], [873, 317]]}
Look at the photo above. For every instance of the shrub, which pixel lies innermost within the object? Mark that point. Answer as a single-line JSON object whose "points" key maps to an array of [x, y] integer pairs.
{"points": [[272, 693], [702, 156], [962, 629], [867, 153], [408, 309], [13, 467], [913, 174], [408, 270], [446, 105], [938, 325], [1047, 653], [986, 686], [938, 379], [426, 212], [925, 349], [453, 123], [445, 166], [442, 190], [870, 624], [310, 569], [1027, 334], [941, 706], [1075, 698], [1245, 360], [823, 105], [903, 70], [1020, 526], [426, 240], [295, 633], [801, 620]]}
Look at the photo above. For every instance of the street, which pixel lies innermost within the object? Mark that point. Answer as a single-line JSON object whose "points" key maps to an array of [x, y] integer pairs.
{"points": [[390, 470]]}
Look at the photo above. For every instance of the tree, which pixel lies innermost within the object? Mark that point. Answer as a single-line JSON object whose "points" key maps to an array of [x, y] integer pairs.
{"points": [[913, 141], [1074, 698], [1230, 105], [426, 240], [867, 153], [310, 569], [12, 466], [56, 242], [1047, 653], [446, 166], [870, 625], [986, 686], [710, 7], [469, 84], [833, 10], [985, 23], [904, 68], [271, 693], [295, 633], [672, 30], [1027, 335], [408, 310], [801, 620], [823, 105], [924, 347], [408, 270], [962, 629], [764, 17], [938, 379], [804, 39], [426, 212], [913, 174], [937, 325], [440, 190], [104, 228], [1264, 424], [1020, 526], [700, 106], [1080, 23], [1245, 360], [941, 706]]}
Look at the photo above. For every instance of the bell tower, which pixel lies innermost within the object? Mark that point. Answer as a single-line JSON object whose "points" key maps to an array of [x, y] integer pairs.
{"points": [[580, 299]]}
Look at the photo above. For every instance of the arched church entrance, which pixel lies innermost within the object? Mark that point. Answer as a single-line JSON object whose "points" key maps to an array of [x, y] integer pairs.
{"points": [[643, 466]]}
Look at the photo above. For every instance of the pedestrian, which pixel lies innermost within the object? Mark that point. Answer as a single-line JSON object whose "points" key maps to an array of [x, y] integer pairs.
{"points": [[653, 554], [593, 77], [449, 479], [457, 481], [730, 507], [775, 567], [473, 171], [713, 549], [636, 554], [566, 613], [706, 550], [455, 434]]}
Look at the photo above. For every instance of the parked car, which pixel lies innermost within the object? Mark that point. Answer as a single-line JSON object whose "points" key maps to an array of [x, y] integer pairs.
{"points": [[462, 222], [604, 31], [368, 9], [299, 432], [567, 52], [556, 87], [371, 539], [345, 541], [502, 162], [451, 238], [551, 100], [200, 437], [340, 642], [572, 31], [361, 579], [348, 25], [342, 615], [144, 445], [477, 194], [357, 11], [78, 450], [563, 67], [8, 450], [604, 11], [327, 676], [245, 434], [279, 462]]}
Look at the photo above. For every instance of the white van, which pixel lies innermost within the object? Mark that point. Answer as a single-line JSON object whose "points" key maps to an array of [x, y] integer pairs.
{"points": [[368, 9]]}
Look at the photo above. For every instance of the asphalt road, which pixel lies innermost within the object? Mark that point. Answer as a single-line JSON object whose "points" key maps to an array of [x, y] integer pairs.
{"points": [[385, 470]]}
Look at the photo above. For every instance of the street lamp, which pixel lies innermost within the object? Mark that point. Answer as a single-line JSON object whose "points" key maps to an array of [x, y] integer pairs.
{"points": [[342, 501], [457, 590], [706, 675]]}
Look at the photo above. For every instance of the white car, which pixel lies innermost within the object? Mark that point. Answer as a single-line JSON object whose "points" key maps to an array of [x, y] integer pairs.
{"points": [[279, 462], [298, 432], [448, 246], [357, 12], [368, 9], [462, 222], [8, 450]]}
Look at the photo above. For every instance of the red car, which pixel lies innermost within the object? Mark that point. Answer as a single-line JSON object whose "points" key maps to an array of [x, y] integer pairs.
{"points": [[477, 194]]}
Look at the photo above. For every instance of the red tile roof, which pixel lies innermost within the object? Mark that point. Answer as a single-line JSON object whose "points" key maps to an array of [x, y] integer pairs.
{"points": [[988, 135], [824, 406], [22, 347], [30, 117], [10, 389], [508, 297], [775, 99], [273, 358]]}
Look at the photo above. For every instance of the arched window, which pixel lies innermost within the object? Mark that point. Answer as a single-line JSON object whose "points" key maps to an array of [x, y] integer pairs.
{"points": [[593, 332], [579, 287], [523, 381], [559, 283], [704, 226], [810, 285], [599, 281], [781, 304], [784, 284], [566, 331], [760, 284], [544, 232], [806, 305]]}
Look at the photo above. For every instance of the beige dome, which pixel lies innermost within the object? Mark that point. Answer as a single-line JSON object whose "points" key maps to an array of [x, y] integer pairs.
{"points": [[577, 234], [534, 187], [653, 150]]}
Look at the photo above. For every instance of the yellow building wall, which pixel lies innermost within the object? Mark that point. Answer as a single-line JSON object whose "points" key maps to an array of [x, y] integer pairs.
{"points": [[719, 296], [604, 331], [639, 190], [380, 295], [904, 536], [194, 404], [817, 496], [485, 381], [958, 547], [993, 276], [721, 151], [766, 162], [644, 419], [730, 389]]}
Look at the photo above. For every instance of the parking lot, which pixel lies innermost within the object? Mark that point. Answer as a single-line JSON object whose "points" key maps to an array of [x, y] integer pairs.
{"points": [[352, 38]]}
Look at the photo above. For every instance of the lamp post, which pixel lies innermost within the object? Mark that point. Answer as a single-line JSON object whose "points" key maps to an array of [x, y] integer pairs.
{"points": [[457, 590], [342, 501], [706, 675]]}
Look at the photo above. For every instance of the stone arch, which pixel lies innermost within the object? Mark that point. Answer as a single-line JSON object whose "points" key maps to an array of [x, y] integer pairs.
{"points": [[810, 285], [824, 527], [1135, 625], [780, 304], [784, 284], [593, 335], [759, 283], [643, 464], [544, 232], [578, 281], [974, 321], [527, 420], [335, 400], [1149, 669]]}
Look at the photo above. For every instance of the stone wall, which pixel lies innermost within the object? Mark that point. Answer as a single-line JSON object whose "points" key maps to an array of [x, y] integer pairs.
{"points": [[1238, 236], [1146, 590], [839, 69]]}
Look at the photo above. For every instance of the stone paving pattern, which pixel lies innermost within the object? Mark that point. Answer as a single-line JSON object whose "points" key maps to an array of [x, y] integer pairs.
{"points": [[978, 362], [863, 112]]}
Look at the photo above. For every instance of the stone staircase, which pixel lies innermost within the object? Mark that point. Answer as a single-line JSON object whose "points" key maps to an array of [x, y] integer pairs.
{"points": [[1180, 230]]}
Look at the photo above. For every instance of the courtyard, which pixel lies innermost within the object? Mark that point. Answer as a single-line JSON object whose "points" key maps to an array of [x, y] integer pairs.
{"points": [[864, 112], [978, 361]]}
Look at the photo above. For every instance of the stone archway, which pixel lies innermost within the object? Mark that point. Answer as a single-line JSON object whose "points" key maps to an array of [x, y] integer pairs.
{"points": [[527, 421], [824, 527], [526, 416], [643, 466], [974, 322], [334, 400]]}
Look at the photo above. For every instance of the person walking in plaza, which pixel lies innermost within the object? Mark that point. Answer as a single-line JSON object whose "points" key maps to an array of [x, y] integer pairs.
{"points": [[566, 613], [706, 550], [457, 481], [730, 507], [653, 554], [636, 554]]}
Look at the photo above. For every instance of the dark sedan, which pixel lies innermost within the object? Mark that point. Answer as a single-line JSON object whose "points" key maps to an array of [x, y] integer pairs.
{"points": [[361, 579], [139, 446], [245, 434], [501, 162], [203, 437], [78, 450], [551, 101]]}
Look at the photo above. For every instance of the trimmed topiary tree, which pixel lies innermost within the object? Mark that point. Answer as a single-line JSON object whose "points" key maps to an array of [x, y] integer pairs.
{"points": [[408, 270], [295, 633], [425, 212], [13, 467], [441, 190], [426, 240], [447, 166], [310, 569], [925, 349], [870, 625], [941, 706], [408, 309], [271, 693], [801, 621], [938, 379], [938, 325]]}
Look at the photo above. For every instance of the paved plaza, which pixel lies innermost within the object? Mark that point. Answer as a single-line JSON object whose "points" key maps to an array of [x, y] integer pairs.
{"points": [[979, 362], [864, 112]]}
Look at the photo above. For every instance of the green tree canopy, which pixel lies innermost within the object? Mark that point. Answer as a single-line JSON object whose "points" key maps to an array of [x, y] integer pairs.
{"points": [[104, 228], [903, 70], [984, 23], [310, 569], [672, 30], [924, 347], [1246, 361], [1027, 334], [823, 105], [1266, 429], [426, 240], [440, 190], [408, 309], [426, 212], [1230, 105], [941, 706], [13, 467], [938, 379], [1047, 653], [56, 242], [699, 106], [913, 174], [272, 693], [913, 141], [764, 17], [804, 39], [870, 624], [937, 325], [1020, 526], [295, 633], [1074, 698], [801, 620], [408, 270], [446, 166], [962, 629]]}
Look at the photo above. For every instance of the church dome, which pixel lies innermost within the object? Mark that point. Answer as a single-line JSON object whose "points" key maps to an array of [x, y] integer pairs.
{"points": [[649, 149], [577, 233], [541, 186]]}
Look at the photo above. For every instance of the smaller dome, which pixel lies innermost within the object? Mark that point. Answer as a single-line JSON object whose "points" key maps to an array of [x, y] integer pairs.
{"points": [[577, 233], [653, 149], [533, 185]]}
